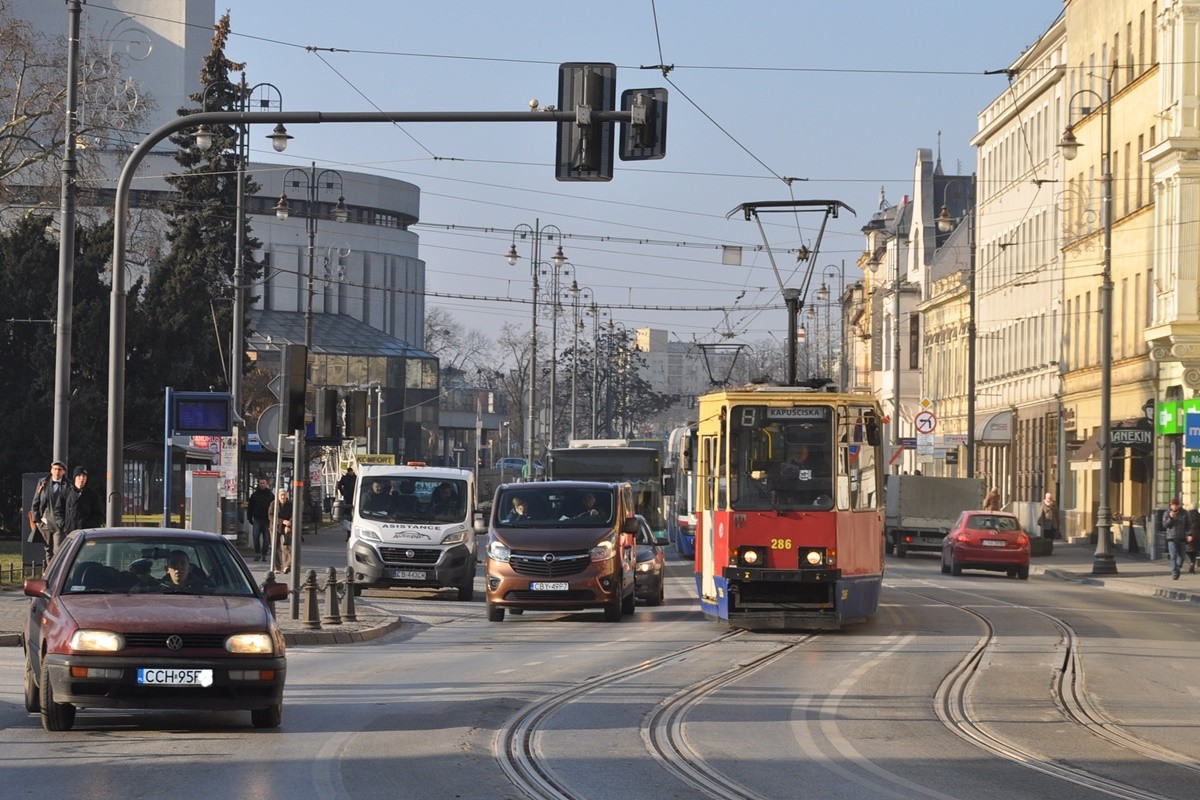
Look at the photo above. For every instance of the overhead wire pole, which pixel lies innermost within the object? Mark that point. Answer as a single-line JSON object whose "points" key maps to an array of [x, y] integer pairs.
{"points": [[66, 247], [116, 336]]}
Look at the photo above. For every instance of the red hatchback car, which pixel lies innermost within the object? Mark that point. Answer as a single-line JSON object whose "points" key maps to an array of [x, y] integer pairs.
{"points": [[151, 618], [991, 540]]}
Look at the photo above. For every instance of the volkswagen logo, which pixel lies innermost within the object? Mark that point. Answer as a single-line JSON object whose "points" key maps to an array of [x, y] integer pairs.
{"points": [[548, 558], [410, 554], [174, 642]]}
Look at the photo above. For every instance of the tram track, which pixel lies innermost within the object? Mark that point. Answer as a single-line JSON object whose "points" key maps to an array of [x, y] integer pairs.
{"points": [[953, 708], [518, 752]]}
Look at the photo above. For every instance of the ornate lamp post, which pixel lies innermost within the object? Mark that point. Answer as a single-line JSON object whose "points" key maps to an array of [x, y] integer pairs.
{"points": [[824, 294], [945, 224], [1103, 561], [576, 293], [312, 185], [534, 234], [263, 96]]}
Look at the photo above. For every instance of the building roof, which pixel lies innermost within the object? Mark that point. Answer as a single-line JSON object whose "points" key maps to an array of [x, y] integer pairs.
{"points": [[333, 334]]}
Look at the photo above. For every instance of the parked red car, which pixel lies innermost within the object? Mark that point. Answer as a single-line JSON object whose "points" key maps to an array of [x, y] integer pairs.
{"points": [[151, 618], [991, 540]]}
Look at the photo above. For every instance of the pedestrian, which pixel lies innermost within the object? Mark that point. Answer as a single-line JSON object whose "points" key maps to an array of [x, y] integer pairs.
{"points": [[991, 501], [83, 506], [345, 487], [48, 510], [1048, 517], [281, 523], [258, 508], [1175, 523], [1193, 532]]}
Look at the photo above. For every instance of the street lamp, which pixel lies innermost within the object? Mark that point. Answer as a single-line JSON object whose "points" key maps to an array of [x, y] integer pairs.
{"points": [[945, 224], [267, 97], [596, 313], [312, 185], [616, 407], [1103, 561], [535, 234], [823, 294], [576, 292], [557, 269]]}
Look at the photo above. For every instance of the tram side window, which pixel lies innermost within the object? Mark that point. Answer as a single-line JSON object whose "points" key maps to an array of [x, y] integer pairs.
{"points": [[862, 462]]}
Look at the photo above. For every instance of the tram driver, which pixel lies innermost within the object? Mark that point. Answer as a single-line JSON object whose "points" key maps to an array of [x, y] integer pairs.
{"points": [[802, 477]]}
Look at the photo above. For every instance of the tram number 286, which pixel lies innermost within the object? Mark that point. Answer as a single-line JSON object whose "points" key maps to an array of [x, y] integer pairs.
{"points": [[781, 544]]}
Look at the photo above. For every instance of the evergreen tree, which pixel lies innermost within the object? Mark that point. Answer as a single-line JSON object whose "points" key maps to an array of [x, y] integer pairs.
{"points": [[181, 335]]}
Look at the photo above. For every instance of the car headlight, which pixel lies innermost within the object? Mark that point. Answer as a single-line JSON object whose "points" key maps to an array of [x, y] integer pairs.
{"points": [[604, 550], [92, 641], [645, 566], [258, 644], [498, 551], [457, 537], [367, 534]]}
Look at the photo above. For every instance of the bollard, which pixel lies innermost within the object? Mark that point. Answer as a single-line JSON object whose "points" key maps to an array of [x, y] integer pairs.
{"points": [[267, 581], [331, 599], [312, 619], [348, 614]]}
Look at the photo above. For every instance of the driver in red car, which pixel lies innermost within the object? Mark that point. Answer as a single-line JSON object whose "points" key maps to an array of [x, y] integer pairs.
{"points": [[180, 573]]}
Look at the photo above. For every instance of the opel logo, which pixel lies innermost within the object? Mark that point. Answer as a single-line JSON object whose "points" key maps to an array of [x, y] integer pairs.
{"points": [[410, 554], [174, 642], [548, 558]]}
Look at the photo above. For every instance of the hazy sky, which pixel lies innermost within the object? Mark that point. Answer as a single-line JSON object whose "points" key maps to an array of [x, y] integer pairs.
{"points": [[839, 94]]}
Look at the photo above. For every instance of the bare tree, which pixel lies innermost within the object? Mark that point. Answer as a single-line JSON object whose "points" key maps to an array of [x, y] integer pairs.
{"points": [[33, 91], [461, 350]]}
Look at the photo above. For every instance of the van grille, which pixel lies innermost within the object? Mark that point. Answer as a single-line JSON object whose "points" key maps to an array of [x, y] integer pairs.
{"points": [[400, 555], [549, 565]]}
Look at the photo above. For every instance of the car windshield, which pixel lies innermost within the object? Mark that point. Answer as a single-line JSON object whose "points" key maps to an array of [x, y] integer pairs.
{"points": [[544, 507], [404, 498], [156, 565], [987, 522]]}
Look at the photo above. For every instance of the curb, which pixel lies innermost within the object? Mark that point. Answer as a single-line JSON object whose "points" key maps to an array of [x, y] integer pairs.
{"points": [[314, 637]]}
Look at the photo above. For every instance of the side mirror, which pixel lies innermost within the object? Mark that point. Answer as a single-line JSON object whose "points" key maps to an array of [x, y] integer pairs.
{"points": [[35, 587], [630, 526], [275, 591], [668, 483], [871, 422], [661, 539]]}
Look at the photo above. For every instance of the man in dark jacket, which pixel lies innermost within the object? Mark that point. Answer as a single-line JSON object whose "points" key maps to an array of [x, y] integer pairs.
{"points": [[1175, 523], [84, 509], [47, 511], [258, 508]]}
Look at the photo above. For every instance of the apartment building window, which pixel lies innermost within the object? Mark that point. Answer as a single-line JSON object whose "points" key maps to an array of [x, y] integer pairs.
{"points": [[1141, 171], [1126, 183], [1124, 317], [1087, 329], [1150, 298]]}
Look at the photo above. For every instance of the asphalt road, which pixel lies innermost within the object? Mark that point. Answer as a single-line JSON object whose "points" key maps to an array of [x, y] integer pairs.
{"points": [[972, 687]]}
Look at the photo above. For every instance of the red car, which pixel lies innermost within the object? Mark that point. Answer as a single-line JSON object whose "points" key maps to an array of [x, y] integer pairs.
{"points": [[991, 540], [151, 618]]}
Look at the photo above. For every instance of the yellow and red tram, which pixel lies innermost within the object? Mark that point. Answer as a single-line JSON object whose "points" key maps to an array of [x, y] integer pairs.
{"points": [[789, 500]]}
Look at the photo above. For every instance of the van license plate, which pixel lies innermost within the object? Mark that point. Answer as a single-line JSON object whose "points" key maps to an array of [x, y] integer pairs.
{"points": [[549, 587], [409, 575]]}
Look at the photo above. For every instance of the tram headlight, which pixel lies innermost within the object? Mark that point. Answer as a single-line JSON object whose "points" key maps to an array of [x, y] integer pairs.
{"points": [[814, 558], [752, 556]]}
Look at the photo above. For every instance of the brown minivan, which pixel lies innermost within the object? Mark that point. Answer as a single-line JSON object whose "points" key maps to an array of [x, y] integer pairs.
{"points": [[561, 546]]}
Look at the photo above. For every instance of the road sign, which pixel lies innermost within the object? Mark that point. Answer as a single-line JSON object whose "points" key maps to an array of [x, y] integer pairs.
{"points": [[925, 422]]}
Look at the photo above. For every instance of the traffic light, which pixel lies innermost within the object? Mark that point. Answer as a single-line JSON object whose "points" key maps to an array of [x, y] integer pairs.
{"points": [[356, 413], [325, 414], [293, 384], [645, 137], [585, 147]]}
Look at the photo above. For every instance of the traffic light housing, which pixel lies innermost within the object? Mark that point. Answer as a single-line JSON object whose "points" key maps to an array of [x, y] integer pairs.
{"points": [[356, 413], [645, 136], [585, 146], [293, 385], [325, 414]]}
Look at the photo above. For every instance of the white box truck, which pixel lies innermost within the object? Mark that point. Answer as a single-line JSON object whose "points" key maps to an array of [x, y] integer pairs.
{"points": [[921, 507]]}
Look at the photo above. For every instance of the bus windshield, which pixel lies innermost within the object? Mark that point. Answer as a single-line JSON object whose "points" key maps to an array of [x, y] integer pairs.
{"points": [[641, 467]]}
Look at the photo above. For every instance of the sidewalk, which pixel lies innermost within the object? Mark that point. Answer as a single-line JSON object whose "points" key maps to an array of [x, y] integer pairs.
{"points": [[1069, 562], [318, 552]]}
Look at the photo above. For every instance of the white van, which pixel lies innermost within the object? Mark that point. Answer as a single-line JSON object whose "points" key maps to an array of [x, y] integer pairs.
{"points": [[413, 527]]}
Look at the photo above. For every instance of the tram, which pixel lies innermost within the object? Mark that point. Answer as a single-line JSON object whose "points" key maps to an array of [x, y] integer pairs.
{"points": [[679, 508], [789, 496]]}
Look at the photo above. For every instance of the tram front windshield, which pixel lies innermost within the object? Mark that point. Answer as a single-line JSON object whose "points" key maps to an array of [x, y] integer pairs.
{"points": [[781, 459]]}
